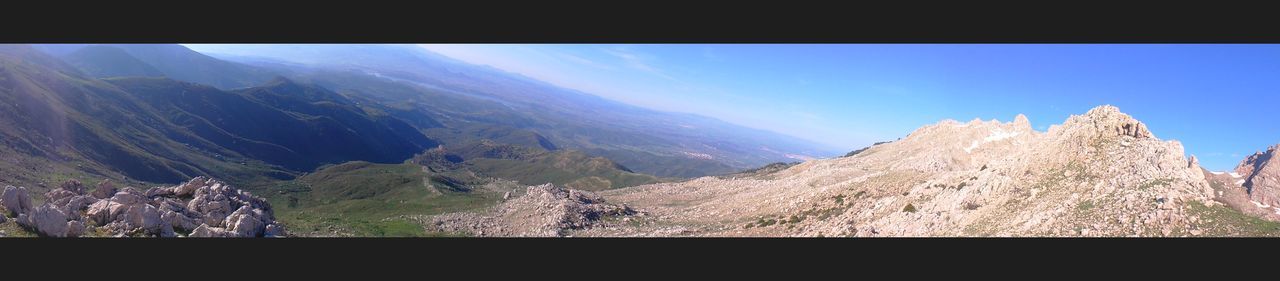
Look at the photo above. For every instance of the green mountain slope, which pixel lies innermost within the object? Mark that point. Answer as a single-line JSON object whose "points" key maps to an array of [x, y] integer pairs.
{"points": [[170, 60], [283, 123], [484, 158], [57, 122], [465, 97], [107, 61]]}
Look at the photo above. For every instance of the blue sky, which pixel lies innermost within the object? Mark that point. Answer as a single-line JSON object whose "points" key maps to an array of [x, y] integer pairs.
{"points": [[1218, 100]]}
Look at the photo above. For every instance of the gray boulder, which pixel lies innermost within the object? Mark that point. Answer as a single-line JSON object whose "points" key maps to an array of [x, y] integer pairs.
{"points": [[104, 190], [205, 230], [46, 220], [15, 199]]}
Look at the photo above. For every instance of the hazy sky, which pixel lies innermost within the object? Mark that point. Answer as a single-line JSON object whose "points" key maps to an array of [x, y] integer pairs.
{"points": [[1218, 100]]}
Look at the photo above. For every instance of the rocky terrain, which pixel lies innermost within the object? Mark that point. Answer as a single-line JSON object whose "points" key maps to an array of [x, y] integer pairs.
{"points": [[1102, 173], [1253, 187], [1260, 173], [201, 207], [543, 211]]}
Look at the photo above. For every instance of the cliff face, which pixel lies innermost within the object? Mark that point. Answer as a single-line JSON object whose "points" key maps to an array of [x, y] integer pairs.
{"points": [[1261, 176]]}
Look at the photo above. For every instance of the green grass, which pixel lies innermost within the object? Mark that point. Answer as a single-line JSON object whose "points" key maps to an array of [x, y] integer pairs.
{"points": [[368, 199], [762, 222], [1085, 206], [569, 168], [1154, 183], [1221, 220], [12, 229]]}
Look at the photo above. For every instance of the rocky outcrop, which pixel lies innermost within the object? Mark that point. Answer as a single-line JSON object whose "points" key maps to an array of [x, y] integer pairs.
{"points": [[544, 211], [214, 207], [1108, 120], [1261, 175], [202, 206]]}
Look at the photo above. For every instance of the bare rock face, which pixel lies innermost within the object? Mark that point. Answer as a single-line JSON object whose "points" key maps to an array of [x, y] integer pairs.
{"points": [[544, 211], [1261, 174], [1108, 120], [15, 199]]}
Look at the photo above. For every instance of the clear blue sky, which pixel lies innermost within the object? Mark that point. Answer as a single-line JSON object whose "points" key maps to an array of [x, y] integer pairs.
{"points": [[1220, 101]]}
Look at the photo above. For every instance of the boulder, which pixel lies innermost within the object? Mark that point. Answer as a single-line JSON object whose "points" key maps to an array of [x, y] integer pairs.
{"points": [[159, 191], [46, 220], [15, 199], [189, 188], [178, 220], [58, 194], [75, 205], [105, 211], [246, 222], [104, 190], [143, 217], [205, 230], [129, 196]]}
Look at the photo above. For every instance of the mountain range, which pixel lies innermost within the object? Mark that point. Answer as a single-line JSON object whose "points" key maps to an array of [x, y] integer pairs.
{"points": [[145, 114], [1097, 174], [394, 140]]}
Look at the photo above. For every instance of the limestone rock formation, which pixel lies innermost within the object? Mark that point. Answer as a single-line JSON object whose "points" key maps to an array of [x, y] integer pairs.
{"points": [[545, 211], [1102, 173], [202, 206]]}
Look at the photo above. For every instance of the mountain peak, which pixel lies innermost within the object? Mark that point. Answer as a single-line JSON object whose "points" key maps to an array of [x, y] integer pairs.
{"points": [[1107, 120], [1021, 119]]}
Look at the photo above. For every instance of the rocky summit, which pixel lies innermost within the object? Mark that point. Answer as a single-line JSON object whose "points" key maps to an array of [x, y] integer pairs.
{"points": [[201, 207], [1102, 173]]}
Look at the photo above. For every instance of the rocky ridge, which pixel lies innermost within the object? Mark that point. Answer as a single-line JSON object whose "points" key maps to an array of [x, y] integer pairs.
{"points": [[1102, 173], [202, 207]]}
